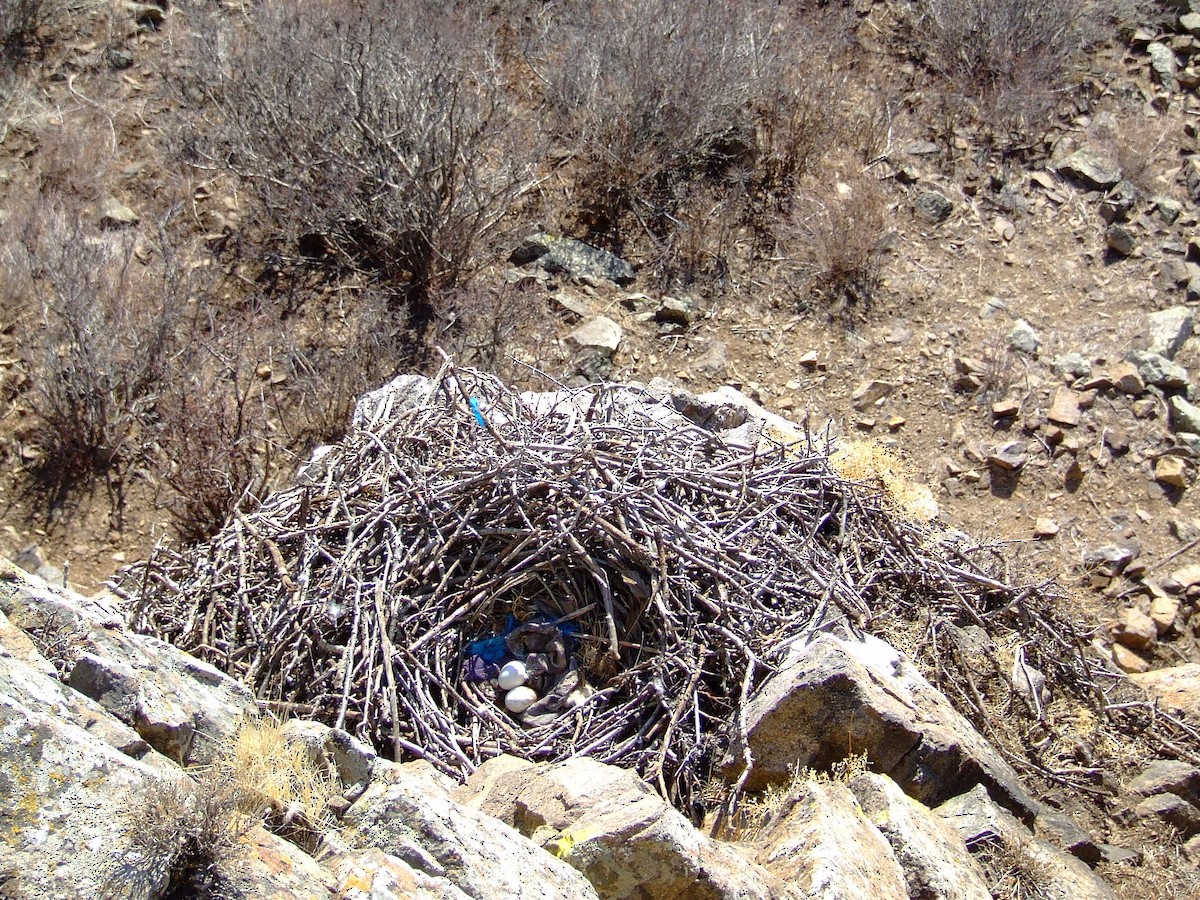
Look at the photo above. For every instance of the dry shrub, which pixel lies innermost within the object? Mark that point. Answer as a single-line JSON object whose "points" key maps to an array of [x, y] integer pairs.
{"points": [[276, 776], [488, 327], [839, 244], [1145, 149], [1014, 871], [22, 23], [678, 112], [189, 828], [1011, 60], [379, 133]]}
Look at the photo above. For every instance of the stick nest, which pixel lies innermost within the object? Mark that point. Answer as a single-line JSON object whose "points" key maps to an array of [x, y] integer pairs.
{"points": [[686, 561]]}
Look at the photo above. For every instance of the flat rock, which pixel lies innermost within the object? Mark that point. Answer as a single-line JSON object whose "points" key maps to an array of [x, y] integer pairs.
{"points": [[820, 842], [871, 392], [1064, 408], [1094, 168], [267, 867], [1128, 661], [1182, 579], [1169, 329], [1136, 630], [1177, 688], [1125, 378], [1172, 809], [835, 696], [374, 875], [478, 854], [613, 828], [1167, 776], [1109, 560], [932, 855], [1010, 456], [335, 751], [115, 214]]}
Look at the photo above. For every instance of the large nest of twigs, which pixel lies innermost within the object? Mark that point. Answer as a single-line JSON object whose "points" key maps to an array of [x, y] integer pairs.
{"points": [[684, 560]]}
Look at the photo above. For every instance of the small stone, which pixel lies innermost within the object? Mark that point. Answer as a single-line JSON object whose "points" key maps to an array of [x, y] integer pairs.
{"points": [[871, 392], [1163, 63], [674, 312], [115, 214], [600, 333], [1009, 457], [1182, 579], [809, 360], [1119, 240], [1072, 364], [1190, 22], [1136, 630], [713, 361], [1164, 610], [1126, 379], [1023, 338], [1143, 409], [933, 207], [1169, 329], [1171, 471], [1045, 528], [1005, 230], [895, 423], [1064, 410], [1128, 661], [1109, 560], [1005, 409], [1159, 371], [1184, 416], [1095, 169], [1167, 776], [1173, 810]]}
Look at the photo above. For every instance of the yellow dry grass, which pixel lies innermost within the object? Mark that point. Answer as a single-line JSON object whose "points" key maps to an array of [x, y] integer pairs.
{"points": [[869, 462]]}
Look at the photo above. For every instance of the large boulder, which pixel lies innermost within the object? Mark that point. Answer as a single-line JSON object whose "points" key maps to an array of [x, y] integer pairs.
{"points": [[612, 827], [820, 842], [838, 696], [481, 856]]}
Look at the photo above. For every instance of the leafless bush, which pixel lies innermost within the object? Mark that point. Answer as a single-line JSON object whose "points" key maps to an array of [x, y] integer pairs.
{"points": [[486, 327], [20, 24], [97, 351], [381, 131], [188, 830], [1012, 59], [655, 98], [840, 239]]}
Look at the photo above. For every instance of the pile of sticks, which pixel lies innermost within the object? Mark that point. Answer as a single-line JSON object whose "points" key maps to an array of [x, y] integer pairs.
{"points": [[685, 563]]}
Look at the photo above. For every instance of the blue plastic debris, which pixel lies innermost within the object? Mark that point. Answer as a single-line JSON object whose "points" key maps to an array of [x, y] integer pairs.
{"points": [[478, 415]]}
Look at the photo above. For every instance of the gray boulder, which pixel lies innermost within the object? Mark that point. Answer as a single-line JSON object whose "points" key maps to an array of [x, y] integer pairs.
{"points": [[1093, 168], [836, 696], [1169, 330], [1185, 417], [1159, 371]]}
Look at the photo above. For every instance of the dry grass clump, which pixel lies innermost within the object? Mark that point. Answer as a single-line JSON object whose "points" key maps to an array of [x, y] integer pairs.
{"points": [[869, 462], [276, 777]]}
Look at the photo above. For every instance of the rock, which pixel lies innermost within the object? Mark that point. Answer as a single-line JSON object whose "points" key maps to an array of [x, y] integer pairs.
{"points": [[1119, 240], [1109, 560], [1164, 610], [1175, 687], [267, 867], [1182, 579], [820, 842], [1064, 408], [1005, 409], [1159, 371], [374, 875], [932, 855], [1010, 457], [612, 827], [1190, 22], [1171, 471], [184, 708], [1136, 630], [1126, 379], [714, 361], [601, 334], [986, 827], [147, 15], [575, 258], [1128, 661], [1167, 776], [1023, 338], [1118, 203], [1163, 63], [114, 213], [1170, 329], [674, 312], [933, 207], [835, 696], [1072, 364], [482, 857], [1057, 828], [1004, 229], [1095, 169], [870, 393], [1184, 416], [379, 405], [1045, 528], [1173, 810]]}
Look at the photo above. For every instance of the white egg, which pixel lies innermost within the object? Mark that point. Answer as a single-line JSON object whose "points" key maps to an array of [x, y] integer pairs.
{"points": [[513, 675], [520, 699]]}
